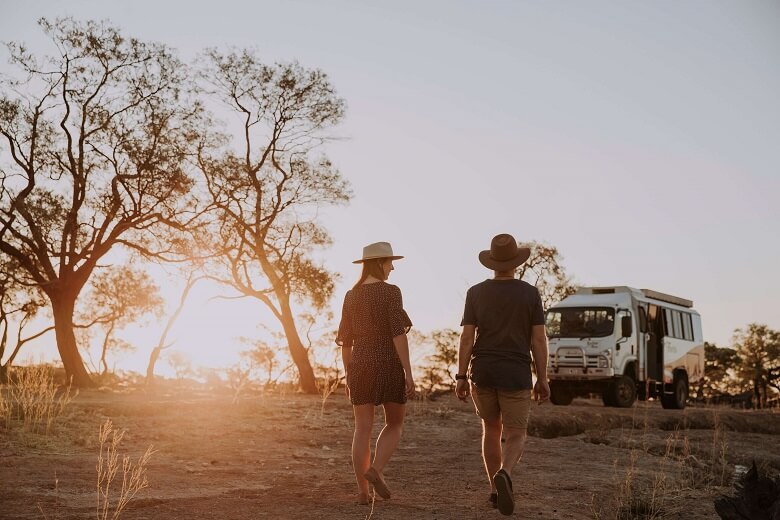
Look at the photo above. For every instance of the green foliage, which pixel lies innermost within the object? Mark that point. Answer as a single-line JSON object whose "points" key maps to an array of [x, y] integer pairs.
{"points": [[117, 298], [261, 357], [758, 348], [266, 195], [719, 370], [544, 270], [439, 373], [19, 305], [121, 295]]}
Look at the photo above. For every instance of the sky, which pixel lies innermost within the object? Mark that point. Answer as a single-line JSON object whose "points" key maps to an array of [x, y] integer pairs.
{"points": [[639, 138]]}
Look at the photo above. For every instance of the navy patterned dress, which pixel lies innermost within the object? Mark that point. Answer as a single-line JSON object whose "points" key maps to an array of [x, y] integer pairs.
{"points": [[372, 316]]}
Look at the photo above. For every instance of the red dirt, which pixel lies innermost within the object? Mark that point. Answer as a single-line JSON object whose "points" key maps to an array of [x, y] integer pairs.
{"points": [[284, 456]]}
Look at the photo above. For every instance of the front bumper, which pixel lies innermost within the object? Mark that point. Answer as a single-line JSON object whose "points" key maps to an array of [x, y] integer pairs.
{"points": [[579, 373]]}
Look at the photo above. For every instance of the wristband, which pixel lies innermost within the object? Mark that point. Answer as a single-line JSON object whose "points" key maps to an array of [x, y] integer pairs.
{"points": [[460, 377]]}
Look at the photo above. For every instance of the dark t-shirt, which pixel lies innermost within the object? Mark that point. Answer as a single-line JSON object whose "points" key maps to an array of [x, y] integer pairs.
{"points": [[504, 312]]}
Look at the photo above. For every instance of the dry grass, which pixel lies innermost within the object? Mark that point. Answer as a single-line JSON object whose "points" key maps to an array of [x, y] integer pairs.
{"points": [[648, 485], [597, 436], [419, 404], [5, 410], [57, 502], [111, 501], [112, 497], [422, 406], [326, 388], [34, 399], [635, 500]]}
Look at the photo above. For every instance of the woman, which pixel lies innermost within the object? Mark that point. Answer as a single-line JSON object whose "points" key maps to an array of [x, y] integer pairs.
{"points": [[375, 351]]}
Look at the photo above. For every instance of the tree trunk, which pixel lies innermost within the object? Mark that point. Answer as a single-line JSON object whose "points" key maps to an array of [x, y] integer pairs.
{"points": [[155, 355], [75, 371], [764, 393], [105, 348], [756, 394], [297, 351]]}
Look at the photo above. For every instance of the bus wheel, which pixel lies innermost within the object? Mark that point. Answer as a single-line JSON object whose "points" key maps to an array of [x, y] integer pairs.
{"points": [[623, 391], [560, 395], [679, 396]]}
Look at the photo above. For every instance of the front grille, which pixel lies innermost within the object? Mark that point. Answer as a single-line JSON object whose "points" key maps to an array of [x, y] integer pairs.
{"points": [[572, 357]]}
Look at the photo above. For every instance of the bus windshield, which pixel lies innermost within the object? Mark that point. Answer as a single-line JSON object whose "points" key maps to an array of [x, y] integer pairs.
{"points": [[580, 322]]}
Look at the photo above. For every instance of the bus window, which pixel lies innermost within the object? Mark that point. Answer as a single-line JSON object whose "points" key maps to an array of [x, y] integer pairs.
{"points": [[687, 326], [668, 330], [677, 322]]}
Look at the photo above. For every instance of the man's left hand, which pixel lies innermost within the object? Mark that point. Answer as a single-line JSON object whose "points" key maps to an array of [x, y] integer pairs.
{"points": [[541, 391]]}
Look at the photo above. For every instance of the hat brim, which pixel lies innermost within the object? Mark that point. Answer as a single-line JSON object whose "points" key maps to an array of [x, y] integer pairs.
{"points": [[377, 258], [523, 253]]}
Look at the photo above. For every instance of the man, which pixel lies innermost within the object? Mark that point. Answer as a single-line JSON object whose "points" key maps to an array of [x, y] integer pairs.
{"points": [[506, 317]]}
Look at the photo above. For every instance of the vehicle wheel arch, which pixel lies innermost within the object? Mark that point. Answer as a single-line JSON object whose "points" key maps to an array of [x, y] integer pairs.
{"points": [[630, 368]]}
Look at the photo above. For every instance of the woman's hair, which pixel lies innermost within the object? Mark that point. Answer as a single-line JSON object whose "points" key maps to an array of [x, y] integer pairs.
{"points": [[372, 267]]}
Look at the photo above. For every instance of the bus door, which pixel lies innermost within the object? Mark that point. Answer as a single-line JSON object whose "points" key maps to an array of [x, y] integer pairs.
{"points": [[655, 345], [641, 353]]}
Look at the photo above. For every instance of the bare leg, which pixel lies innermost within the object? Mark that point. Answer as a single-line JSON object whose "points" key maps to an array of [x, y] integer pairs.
{"points": [[361, 444], [491, 448], [513, 448], [390, 435]]}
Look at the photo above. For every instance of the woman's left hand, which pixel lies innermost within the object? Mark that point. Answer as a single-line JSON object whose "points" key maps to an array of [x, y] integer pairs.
{"points": [[410, 390]]}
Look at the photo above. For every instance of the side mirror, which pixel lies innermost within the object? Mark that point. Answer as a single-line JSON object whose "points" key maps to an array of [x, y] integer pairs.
{"points": [[626, 326]]}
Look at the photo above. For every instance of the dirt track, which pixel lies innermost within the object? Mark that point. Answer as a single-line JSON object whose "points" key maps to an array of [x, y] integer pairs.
{"points": [[284, 456]]}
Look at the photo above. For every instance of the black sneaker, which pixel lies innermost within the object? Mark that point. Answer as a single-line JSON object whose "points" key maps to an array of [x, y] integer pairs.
{"points": [[493, 500], [505, 499]]}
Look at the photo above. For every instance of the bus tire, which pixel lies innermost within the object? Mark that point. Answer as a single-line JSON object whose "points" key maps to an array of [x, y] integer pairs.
{"points": [[623, 391], [679, 396], [560, 395]]}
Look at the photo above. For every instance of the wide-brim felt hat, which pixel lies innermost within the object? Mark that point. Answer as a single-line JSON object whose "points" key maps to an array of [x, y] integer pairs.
{"points": [[504, 253], [377, 250]]}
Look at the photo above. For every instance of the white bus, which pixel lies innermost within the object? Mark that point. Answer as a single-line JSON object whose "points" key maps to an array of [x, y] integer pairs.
{"points": [[624, 344]]}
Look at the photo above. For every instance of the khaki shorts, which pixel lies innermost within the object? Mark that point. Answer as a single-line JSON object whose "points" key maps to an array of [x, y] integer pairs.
{"points": [[512, 406]]}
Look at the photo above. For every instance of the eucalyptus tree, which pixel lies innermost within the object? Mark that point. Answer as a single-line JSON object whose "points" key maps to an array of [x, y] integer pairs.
{"points": [[19, 306], [93, 142], [154, 355], [117, 297], [758, 360], [267, 184], [545, 270]]}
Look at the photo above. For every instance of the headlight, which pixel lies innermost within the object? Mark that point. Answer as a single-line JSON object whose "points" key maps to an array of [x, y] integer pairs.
{"points": [[603, 362]]}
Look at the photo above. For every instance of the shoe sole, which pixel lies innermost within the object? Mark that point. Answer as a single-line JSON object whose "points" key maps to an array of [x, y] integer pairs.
{"points": [[506, 500]]}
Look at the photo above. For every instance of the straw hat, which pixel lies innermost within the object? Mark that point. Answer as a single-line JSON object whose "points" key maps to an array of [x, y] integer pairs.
{"points": [[504, 254], [377, 250]]}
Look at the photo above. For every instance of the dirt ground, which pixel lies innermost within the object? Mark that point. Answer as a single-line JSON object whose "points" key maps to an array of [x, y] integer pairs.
{"points": [[286, 456]]}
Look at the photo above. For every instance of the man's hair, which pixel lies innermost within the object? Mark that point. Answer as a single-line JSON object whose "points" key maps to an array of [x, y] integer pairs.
{"points": [[373, 268]]}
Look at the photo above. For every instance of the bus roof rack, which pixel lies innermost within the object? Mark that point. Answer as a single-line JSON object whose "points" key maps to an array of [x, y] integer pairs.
{"points": [[668, 298]]}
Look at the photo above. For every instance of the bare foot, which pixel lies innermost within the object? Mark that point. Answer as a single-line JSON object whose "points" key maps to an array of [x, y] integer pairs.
{"points": [[362, 499]]}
